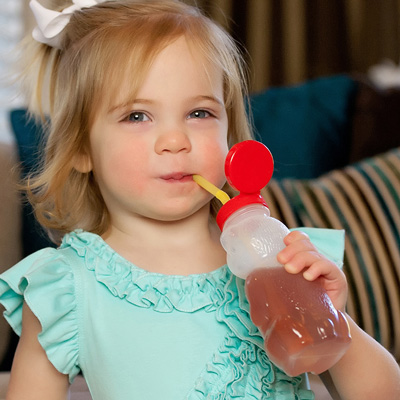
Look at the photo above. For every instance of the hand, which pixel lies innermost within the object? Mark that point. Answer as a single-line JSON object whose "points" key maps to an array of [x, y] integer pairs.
{"points": [[300, 255]]}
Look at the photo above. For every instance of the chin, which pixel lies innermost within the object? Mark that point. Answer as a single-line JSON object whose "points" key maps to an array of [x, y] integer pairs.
{"points": [[180, 213]]}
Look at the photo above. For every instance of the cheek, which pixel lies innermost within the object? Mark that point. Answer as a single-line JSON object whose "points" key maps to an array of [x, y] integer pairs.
{"points": [[215, 155], [124, 168]]}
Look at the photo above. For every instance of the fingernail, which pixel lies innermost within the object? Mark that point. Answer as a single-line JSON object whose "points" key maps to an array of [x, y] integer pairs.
{"points": [[281, 258], [308, 276], [290, 268]]}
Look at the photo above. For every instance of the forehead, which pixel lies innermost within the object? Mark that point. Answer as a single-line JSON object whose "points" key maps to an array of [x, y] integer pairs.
{"points": [[159, 67]]}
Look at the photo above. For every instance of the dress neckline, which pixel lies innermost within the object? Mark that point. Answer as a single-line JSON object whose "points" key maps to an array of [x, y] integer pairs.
{"points": [[165, 293]]}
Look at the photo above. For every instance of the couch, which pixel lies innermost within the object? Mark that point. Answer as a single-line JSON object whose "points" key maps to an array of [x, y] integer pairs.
{"points": [[335, 143]]}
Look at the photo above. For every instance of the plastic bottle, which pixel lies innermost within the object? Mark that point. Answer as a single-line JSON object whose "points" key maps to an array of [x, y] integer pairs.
{"points": [[302, 330]]}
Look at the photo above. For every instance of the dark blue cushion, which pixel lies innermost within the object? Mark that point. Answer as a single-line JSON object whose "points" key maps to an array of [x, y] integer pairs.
{"points": [[306, 127], [28, 137]]}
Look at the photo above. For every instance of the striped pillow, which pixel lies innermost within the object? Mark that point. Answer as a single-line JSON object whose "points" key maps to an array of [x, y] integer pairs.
{"points": [[363, 199]]}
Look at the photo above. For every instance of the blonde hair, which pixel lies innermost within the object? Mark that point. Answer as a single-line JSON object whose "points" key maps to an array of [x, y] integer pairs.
{"points": [[99, 45]]}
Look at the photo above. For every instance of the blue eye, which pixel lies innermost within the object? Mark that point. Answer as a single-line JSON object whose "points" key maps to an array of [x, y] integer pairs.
{"points": [[137, 116], [199, 114]]}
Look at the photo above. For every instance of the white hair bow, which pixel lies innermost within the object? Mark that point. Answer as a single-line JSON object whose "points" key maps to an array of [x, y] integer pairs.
{"points": [[51, 23]]}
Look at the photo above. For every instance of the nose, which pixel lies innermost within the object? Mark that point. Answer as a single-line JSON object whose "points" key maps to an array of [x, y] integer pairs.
{"points": [[174, 140]]}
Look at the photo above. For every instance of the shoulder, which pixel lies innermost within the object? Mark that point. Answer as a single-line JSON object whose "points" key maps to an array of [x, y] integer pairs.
{"points": [[56, 261], [45, 282]]}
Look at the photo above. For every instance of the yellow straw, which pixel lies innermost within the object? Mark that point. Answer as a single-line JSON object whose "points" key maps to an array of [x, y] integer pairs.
{"points": [[218, 193]]}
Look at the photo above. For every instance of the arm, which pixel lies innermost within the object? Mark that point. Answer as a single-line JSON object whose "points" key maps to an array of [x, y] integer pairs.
{"points": [[367, 370], [33, 377]]}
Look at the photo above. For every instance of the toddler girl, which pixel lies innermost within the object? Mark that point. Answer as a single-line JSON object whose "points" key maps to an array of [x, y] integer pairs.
{"points": [[142, 95]]}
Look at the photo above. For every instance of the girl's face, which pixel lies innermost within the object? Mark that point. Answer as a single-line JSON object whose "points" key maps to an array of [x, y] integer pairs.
{"points": [[144, 154]]}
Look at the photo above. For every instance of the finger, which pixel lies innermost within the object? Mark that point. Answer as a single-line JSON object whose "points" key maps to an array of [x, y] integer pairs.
{"points": [[298, 245], [294, 236], [314, 265], [334, 281], [301, 260], [325, 268]]}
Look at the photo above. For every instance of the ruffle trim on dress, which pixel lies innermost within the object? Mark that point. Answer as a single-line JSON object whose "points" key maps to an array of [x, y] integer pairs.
{"points": [[45, 281], [163, 293], [241, 368]]}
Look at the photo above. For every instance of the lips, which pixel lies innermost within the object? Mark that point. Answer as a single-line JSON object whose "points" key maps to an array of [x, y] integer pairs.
{"points": [[177, 177]]}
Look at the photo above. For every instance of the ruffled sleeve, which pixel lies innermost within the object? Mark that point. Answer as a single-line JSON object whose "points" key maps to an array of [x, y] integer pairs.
{"points": [[45, 281]]}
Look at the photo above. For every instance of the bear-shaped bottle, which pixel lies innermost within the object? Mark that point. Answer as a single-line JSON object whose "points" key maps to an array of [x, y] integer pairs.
{"points": [[302, 330]]}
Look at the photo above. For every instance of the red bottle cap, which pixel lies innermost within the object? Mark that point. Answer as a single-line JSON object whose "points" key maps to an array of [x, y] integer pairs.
{"points": [[248, 168]]}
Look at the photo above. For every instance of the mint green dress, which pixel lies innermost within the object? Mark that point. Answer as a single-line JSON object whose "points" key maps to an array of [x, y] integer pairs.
{"points": [[141, 335]]}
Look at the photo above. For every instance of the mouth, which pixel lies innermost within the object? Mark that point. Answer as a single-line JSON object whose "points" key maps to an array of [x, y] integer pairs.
{"points": [[177, 177]]}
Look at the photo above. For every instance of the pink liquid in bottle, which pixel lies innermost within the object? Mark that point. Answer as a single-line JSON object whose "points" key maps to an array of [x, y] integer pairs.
{"points": [[302, 330]]}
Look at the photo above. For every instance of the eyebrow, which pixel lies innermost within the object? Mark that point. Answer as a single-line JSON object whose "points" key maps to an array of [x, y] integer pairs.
{"points": [[128, 104], [210, 98]]}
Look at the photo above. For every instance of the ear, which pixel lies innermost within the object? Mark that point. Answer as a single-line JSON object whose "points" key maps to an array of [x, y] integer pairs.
{"points": [[82, 163]]}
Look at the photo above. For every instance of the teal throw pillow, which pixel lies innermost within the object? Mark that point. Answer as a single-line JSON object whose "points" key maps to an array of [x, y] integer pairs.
{"points": [[307, 127]]}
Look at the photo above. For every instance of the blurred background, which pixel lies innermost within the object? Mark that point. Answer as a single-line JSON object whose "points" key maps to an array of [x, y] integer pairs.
{"points": [[285, 42], [289, 41]]}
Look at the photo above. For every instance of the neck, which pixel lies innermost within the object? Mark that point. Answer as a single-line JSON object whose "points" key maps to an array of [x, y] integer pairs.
{"points": [[188, 246]]}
